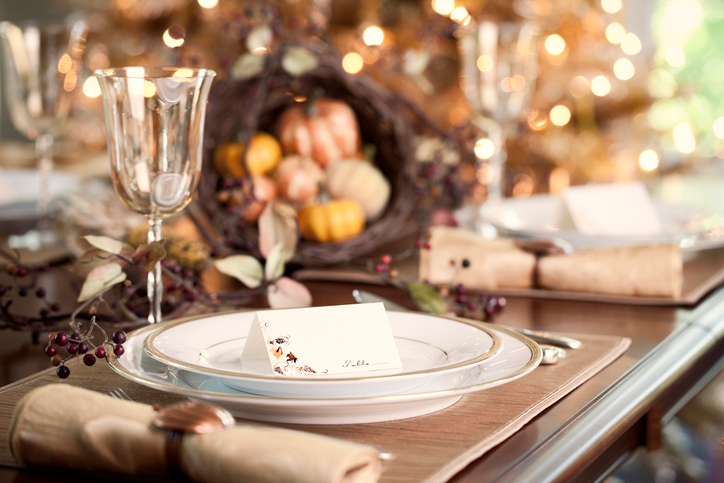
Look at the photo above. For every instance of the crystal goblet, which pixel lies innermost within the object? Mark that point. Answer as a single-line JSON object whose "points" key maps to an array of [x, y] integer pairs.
{"points": [[42, 64], [499, 69], [155, 128]]}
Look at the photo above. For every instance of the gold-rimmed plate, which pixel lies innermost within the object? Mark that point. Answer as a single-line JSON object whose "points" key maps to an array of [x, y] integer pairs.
{"points": [[428, 345], [518, 357]]}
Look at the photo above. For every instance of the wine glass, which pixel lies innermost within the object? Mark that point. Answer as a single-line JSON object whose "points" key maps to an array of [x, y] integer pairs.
{"points": [[499, 68], [155, 128], [42, 64]]}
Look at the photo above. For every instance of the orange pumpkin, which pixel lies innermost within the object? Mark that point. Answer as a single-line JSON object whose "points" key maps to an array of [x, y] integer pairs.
{"points": [[298, 178], [332, 221], [326, 131], [263, 155]]}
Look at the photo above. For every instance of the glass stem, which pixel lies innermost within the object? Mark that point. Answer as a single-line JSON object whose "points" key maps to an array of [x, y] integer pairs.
{"points": [[155, 279], [43, 150], [496, 187]]}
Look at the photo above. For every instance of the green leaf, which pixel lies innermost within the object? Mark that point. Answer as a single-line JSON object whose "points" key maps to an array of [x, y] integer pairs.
{"points": [[298, 61], [275, 262], [105, 243], [427, 298], [99, 279], [247, 66], [244, 268]]}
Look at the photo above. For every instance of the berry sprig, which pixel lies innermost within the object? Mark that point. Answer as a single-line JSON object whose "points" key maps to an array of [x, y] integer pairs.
{"points": [[77, 345]]}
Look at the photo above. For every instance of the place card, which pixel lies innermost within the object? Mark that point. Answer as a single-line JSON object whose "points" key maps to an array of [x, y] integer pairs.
{"points": [[335, 340], [616, 209]]}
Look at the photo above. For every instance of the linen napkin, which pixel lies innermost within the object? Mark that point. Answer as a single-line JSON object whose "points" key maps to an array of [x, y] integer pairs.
{"points": [[61, 425], [646, 270]]}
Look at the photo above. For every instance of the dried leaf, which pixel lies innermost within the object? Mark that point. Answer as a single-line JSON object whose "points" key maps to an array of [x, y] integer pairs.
{"points": [[275, 263], [152, 253], [287, 294], [105, 243], [427, 298], [247, 66], [298, 61], [244, 268], [99, 279], [278, 224]]}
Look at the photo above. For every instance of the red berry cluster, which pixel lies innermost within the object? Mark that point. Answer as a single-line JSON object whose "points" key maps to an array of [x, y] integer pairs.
{"points": [[77, 346], [480, 306]]}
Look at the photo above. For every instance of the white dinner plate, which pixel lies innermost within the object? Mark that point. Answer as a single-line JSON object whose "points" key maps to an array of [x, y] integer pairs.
{"points": [[428, 345], [518, 357], [544, 216]]}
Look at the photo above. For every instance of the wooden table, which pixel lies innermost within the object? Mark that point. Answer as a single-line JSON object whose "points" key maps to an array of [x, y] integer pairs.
{"points": [[675, 351]]}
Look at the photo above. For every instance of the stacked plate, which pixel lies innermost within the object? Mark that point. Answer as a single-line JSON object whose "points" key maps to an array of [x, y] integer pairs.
{"points": [[443, 358]]}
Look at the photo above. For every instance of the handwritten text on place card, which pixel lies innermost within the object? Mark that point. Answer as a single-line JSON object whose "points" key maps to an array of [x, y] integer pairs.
{"points": [[335, 340]]}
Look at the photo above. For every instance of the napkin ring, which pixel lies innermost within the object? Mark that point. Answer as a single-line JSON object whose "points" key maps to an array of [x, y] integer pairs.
{"points": [[541, 248], [188, 417]]}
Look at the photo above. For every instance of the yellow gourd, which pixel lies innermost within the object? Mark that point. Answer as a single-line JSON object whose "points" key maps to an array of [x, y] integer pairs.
{"points": [[333, 221], [263, 155]]}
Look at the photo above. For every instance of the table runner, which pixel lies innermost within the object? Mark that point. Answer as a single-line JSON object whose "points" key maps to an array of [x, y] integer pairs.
{"points": [[430, 448]]}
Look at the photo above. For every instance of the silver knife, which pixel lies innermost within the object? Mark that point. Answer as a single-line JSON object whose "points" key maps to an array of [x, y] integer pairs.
{"points": [[362, 296]]}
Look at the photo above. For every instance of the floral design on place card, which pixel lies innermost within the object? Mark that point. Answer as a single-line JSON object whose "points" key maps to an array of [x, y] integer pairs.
{"points": [[280, 350]]}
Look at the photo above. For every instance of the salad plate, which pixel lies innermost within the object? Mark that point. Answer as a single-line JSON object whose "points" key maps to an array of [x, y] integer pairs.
{"points": [[428, 346], [518, 357], [545, 216]]}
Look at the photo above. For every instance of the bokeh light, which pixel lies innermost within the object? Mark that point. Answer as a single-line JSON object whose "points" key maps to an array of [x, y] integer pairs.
{"points": [[559, 180], [611, 6], [555, 44], [560, 115], [649, 160], [352, 63], [675, 56], [485, 63], [459, 14], [373, 36], [615, 33], [91, 87], [208, 3], [718, 128], [149, 88], [484, 148], [580, 86], [684, 139], [631, 44], [600, 85], [170, 41], [623, 69], [443, 7]]}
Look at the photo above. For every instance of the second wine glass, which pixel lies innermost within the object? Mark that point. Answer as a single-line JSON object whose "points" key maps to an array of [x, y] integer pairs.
{"points": [[155, 128]]}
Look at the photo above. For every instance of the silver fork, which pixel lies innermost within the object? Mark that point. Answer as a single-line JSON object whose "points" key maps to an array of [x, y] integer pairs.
{"points": [[119, 393]]}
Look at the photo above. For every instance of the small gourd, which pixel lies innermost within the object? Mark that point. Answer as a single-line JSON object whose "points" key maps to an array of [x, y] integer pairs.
{"points": [[361, 182], [298, 178], [333, 221], [262, 157]]}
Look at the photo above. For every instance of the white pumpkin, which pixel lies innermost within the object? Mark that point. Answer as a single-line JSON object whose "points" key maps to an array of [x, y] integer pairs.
{"points": [[359, 181]]}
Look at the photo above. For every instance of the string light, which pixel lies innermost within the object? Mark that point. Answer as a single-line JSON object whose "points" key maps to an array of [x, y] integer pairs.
{"points": [[560, 115], [208, 3], [484, 148], [675, 56], [65, 63], [684, 139], [600, 85], [649, 160], [459, 14], [631, 44], [373, 36], [623, 69], [443, 7], [352, 63], [91, 88], [615, 33], [555, 44]]}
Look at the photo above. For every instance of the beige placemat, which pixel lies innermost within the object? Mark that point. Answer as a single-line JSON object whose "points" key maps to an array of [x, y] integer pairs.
{"points": [[430, 448]]}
